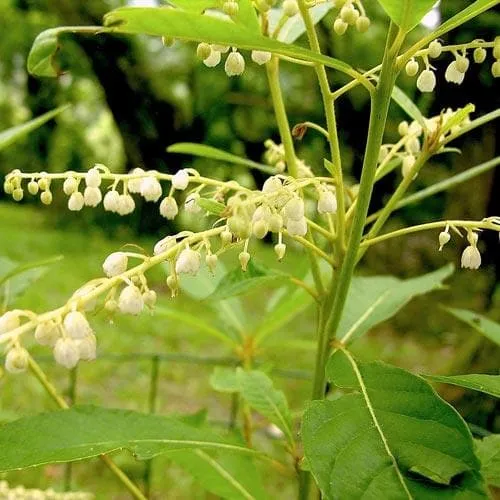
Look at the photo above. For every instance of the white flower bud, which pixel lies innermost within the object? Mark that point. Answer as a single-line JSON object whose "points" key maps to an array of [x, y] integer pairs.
{"points": [[297, 227], [149, 298], [93, 178], [173, 284], [340, 26], [408, 162], [16, 360], [44, 182], [260, 229], [230, 7], [239, 226], [411, 67], [362, 24], [151, 189], [235, 64], [9, 321], [444, 237], [471, 258], [327, 202], [130, 300], [46, 197], [495, 69], [111, 201], [33, 188], [261, 57], [164, 244], [275, 223], [349, 14], [294, 209], [479, 55], [226, 237], [403, 128], [211, 261], [126, 204], [134, 185], [462, 64], [70, 185], [271, 185], [280, 250], [180, 180], [191, 204], [188, 262], [290, 8], [8, 187], [212, 60], [496, 47], [453, 75], [66, 352], [92, 196], [168, 208], [435, 49], [18, 194], [76, 325], [426, 82], [261, 213], [76, 202], [203, 51], [244, 258], [47, 333], [223, 49], [115, 264], [86, 348]]}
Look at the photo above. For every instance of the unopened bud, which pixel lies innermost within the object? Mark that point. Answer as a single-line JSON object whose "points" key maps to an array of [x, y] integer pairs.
{"points": [[479, 55], [290, 8], [244, 258], [168, 208], [16, 360], [130, 300], [362, 24], [76, 325], [93, 178], [211, 261], [444, 237], [33, 188], [180, 180], [150, 298], [435, 49], [173, 284], [411, 67], [280, 250], [76, 202], [66, 352], [260, 229], [235, 64], [70, 185], [47, 333], [115, 264], [203, 51], [339, 26], [151, 189], [92, 196], [188, 262]]}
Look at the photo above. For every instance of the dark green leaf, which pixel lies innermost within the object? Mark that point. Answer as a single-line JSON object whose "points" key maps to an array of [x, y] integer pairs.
{"points": [[239, 282], [480, 323], [488, 451], [407, 13], [393, 437], [489, 384], [87, 431], [11, 135], [376, 299]]}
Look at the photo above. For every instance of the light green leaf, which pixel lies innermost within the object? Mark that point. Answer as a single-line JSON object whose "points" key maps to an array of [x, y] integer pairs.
{"points": [[393, 437], [224, 474], [204, 151], [211, 206], [239, 282], [224, 380], [372, 300], [11, 135], [88, 431], [489, 384], [480, 323], [407, 13], [488, 451], [408, 106]]}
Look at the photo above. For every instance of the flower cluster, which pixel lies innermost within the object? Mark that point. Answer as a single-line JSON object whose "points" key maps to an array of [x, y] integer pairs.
{"points": [[456, 70], [22, 493], [471, 257], [351, 13]]}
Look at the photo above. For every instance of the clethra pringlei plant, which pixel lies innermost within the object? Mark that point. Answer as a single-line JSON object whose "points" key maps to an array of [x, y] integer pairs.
{"points": [[385, 433]]}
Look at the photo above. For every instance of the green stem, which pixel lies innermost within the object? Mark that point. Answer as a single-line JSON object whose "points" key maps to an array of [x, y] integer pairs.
{"points": [[52, 392]]}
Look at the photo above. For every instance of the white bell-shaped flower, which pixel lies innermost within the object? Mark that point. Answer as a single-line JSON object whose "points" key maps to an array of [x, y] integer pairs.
{"points": [[272, 184], [235, 64], [453, 75], [180, 180], [244, 258], [151, 189], [76, 201], [92, 196], [76, 325], [213, 59], [111, 201], [188, 262], [93, 178], [126, 204], [471, 258], [70, 185], [130, 300], [115, 264], [134, 185], [279, 250], [426, 81], [327, 202], [275, 223], [169, 208], [294, 209], [262, 212], [297, 227], [47, 333], [16, 360], [87, 348], [66, 352], [9, 321], [260, 228], [260, 56]]}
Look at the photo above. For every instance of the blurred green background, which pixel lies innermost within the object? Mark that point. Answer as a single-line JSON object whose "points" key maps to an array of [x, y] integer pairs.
{"points": [[131, 98]]}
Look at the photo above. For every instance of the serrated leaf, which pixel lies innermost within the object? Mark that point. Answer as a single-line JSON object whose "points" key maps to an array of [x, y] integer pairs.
{"points": [[11, 135], [408, 106], [480, 323], [226, 475], [239, 282], [372, 300], [88, 431], [203, 151], [393, 437], [407, 13], [211, 206], [488, 451], [489, 384]]}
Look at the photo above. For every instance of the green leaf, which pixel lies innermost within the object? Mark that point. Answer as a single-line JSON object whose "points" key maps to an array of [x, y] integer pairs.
{"points": [[88, 431], [224, 380], [239, 282], [372, 300], [489, 384], [393, 437], [223, 474], [480, 323], [488, 451], [211, 206], [203, 151], [11, 135], [407, 13], [408, 106]]}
